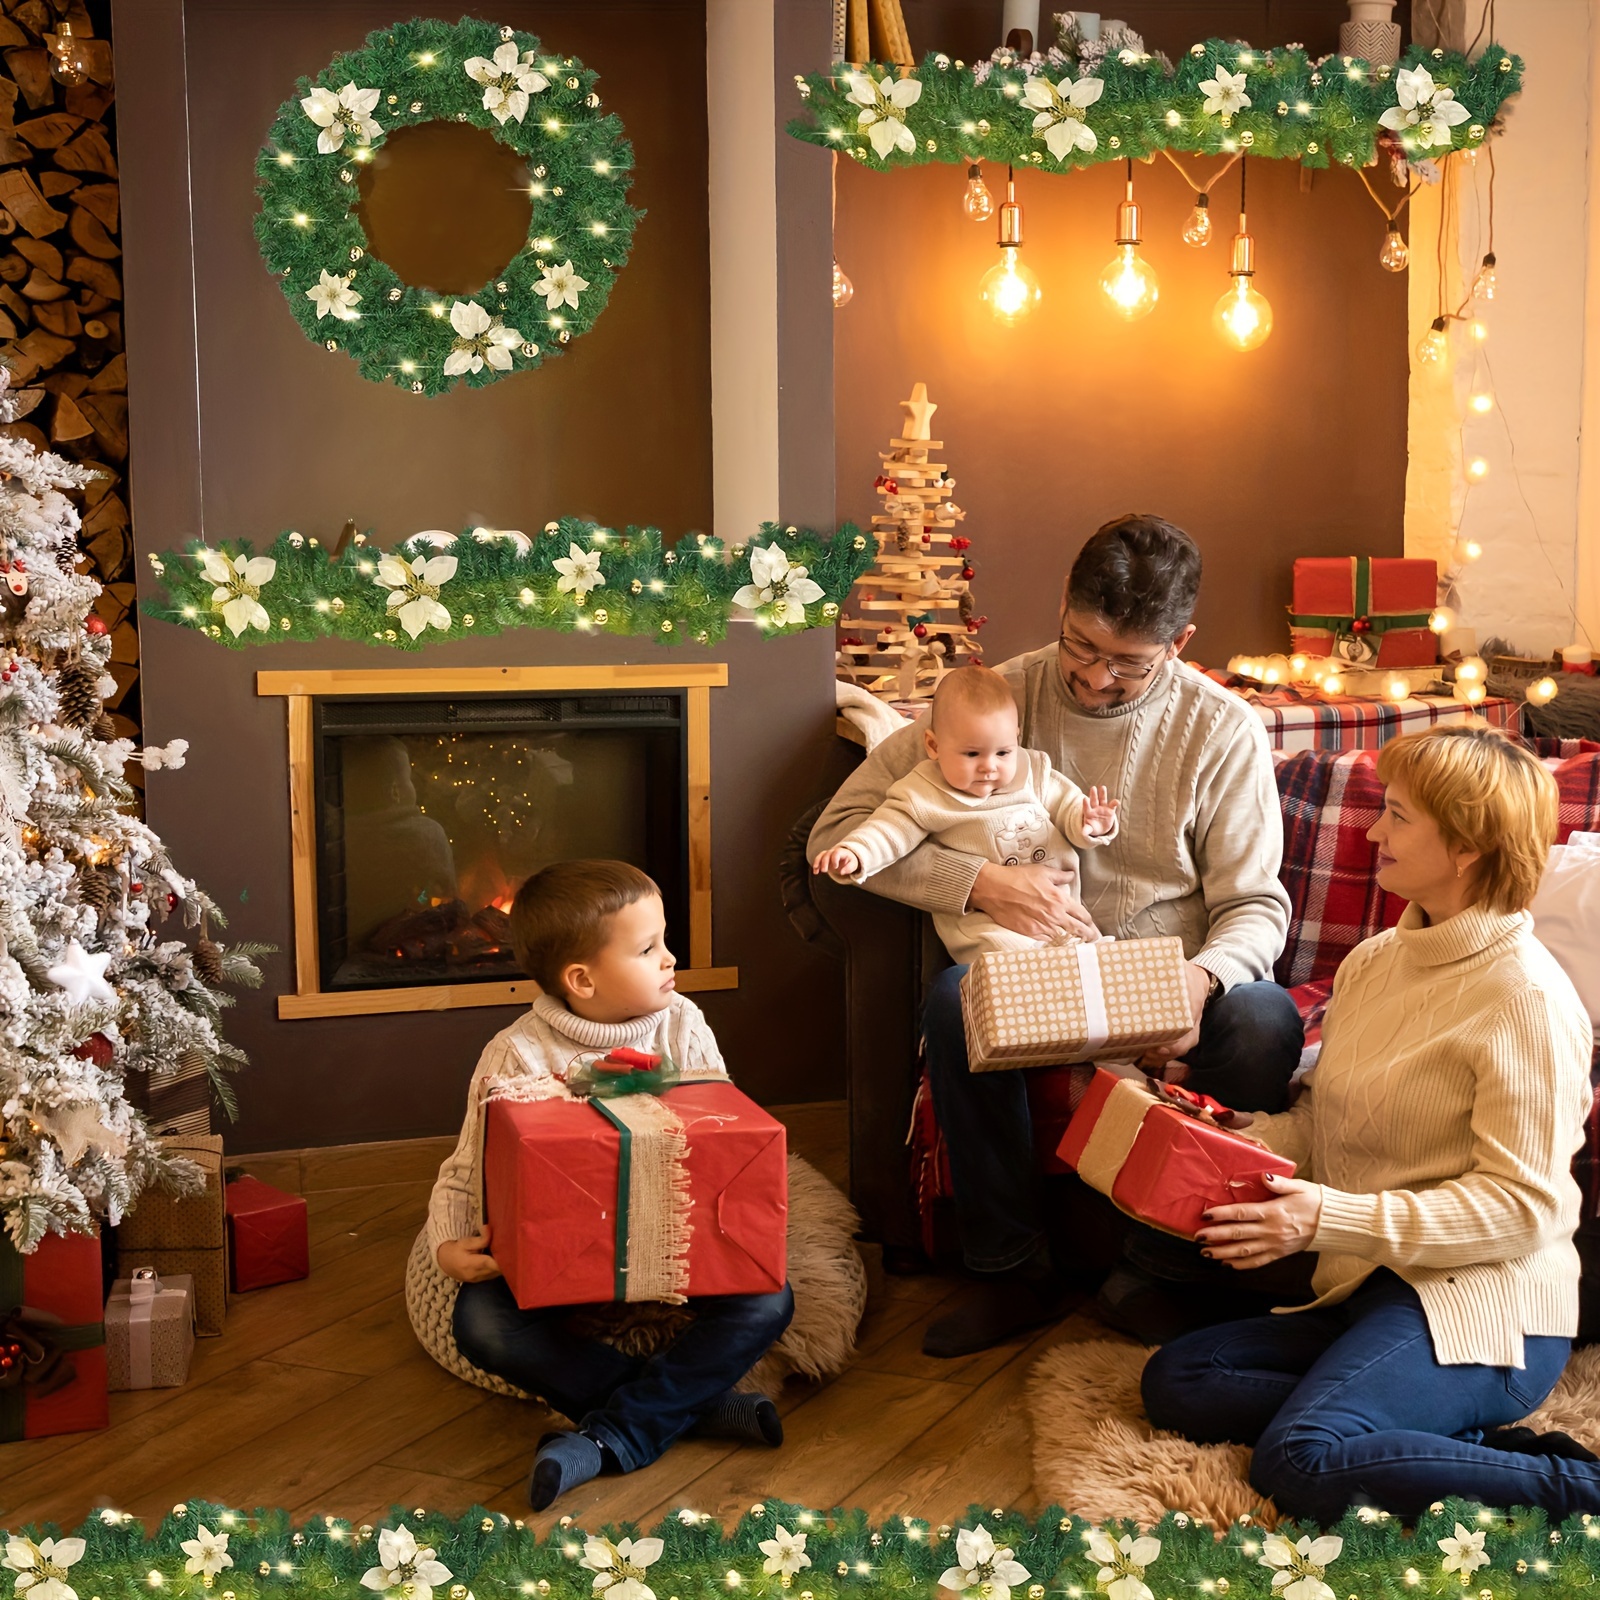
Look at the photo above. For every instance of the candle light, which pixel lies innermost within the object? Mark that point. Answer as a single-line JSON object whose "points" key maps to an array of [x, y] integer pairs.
{"points": [[1577, 658]]}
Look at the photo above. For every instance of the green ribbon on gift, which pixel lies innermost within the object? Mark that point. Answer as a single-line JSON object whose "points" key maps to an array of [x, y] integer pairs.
{"points": [[624, 1180], [40, 1328], [1340, 626]]}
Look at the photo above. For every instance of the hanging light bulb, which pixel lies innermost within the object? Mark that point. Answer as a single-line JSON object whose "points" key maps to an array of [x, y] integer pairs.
{"points": [[1434, 345], [843, 289], [68, 63], [1478, 468], [1394, 255], [1243, 316], [1468, 550], [1482, 402], [1008, 288], [1441, 619], [977, 202], [1197, 230], [1129, 280], [1487, 281]]}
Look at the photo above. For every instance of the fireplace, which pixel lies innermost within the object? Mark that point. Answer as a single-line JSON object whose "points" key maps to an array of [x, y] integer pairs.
{"points": [[422, 799]]}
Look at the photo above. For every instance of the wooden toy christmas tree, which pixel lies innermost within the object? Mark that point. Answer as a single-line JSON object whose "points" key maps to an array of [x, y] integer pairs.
{"points": [[913, 616]]}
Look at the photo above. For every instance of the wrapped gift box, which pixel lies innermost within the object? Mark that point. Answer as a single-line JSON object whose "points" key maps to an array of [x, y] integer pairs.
{"points": [[52, 1338], [1158, 1164], [184, 1233], [1074, 1001], [641, 1198], [150, 1331], [1371, 610], [174, 1103], [267, 1236]]}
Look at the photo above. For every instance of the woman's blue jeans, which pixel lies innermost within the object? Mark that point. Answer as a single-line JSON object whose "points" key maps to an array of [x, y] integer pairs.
{"points": [[634, 1405], [1348, 1406]]}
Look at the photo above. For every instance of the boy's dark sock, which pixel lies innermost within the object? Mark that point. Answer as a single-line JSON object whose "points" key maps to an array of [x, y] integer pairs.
{"points": [[564, 1461], [1525, 1442], [1004, 1305], [752, 1418]]}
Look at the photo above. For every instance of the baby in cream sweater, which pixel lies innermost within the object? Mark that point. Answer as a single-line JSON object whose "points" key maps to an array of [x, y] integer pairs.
{"points": [[977, 792]]}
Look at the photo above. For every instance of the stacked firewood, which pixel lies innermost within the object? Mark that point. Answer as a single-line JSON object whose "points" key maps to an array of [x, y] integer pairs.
{"points": [[61, 287]]}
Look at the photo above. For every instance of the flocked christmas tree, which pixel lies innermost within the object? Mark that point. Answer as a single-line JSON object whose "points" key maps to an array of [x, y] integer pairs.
{"points": [[94, 989], [913, 611]]}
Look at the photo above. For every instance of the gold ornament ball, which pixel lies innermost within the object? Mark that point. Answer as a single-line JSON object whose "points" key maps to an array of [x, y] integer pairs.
{"points": [[346, 175], [932, 145], [1505, 63], [529, 349], [506, 31], [394, 294], [702, 638], [557, 189], [983, 125], [859, 543], [336, 606], [264, 1569], [296, 540], [1438, 54], [1116, 143], [284, 624], [416, 386], [458, 1591], [461, 116], [391, 99], [944, 1530], [390, 635], [552, 527], [1035, 1591], [1283, 108], [543, 1586], [332, 344], [364, 1531], [666, 627], [421, 1511], [1555, 1536], [299, 1538], [1222, 1585], [635, 587], [805, 1594], [1181, 1518], [1522, 1567], [356, 252], [228, 1594], [1486, 1594], [563, 337], [1311, 148], [758, 1510], [572, 83], [830, 611], [1475, 131], [601, 616], [843, 1569], [876, 1540], [539, 172], [469, 621], [1247, 139], [671, 558], [416, 107], [180, 1510], [592, 100]]}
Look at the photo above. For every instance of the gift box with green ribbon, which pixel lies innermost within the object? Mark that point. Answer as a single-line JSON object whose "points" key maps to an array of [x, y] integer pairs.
{"points": [[1367, 610], [52, 1338]]}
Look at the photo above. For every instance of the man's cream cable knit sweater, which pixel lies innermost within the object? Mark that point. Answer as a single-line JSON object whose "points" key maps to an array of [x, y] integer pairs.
{"points": [[545, 1043], [1200, 835], [1441, 1120]]}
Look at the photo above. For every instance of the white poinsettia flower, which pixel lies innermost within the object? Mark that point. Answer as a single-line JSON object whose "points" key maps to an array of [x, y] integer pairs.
{"points": [[346, 115], [785, 1552], [1123, 1563], [580, 571], [884, 105], [414, 595], [1224, 94], [207, 1552], [238, 588], [981, 1569], [561, 286], [333, 297], [479, 338], [507, 82], [41, 1568], [1301, 1566], [1427, 109], [619, 1569], [1464, 1553], [777, 586], [403, 1568], [1061, 109]]}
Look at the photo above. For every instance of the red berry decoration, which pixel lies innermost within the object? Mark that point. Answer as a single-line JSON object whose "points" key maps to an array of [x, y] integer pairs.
{"points": [[172, 901], [1361, 625], [95, 624], [96, 1048], [137, 888], [921, 630], [968, 572], [957, 543]]}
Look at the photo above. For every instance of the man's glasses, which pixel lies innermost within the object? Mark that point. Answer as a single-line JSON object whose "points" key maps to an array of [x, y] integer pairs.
{"points": [[1125, 671]]}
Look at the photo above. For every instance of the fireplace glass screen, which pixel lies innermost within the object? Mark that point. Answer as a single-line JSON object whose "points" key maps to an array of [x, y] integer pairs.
{"points": [[432, 811]]}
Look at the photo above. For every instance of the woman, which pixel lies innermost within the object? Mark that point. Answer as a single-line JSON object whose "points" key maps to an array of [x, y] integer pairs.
{"points": [[1435, 1139]]}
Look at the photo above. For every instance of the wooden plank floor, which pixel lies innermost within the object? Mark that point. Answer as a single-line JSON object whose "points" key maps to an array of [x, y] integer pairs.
{"points": [[319, 1399]]}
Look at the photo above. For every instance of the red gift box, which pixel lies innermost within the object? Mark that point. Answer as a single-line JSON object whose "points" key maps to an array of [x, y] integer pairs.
{"points": [[1368, 610], [52, 1338], [561, 1195], [1158, 1164], [266, 1234]]}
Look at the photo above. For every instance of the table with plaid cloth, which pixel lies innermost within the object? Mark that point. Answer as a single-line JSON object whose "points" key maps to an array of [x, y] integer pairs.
{"points": [[1299, 722]]}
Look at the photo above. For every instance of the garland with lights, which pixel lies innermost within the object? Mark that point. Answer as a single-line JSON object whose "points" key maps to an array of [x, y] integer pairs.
{"points": [[1220, 97], [208, 1552], [574, 576], [541, 105]]}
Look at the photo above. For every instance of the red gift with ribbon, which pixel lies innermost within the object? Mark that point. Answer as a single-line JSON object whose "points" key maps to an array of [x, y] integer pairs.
{"points": [[267, 1235], [1163, 1165], [52, 1338], [1367, 610]]}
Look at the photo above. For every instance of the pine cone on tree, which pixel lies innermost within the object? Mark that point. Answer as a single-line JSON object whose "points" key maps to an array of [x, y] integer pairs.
{"points": [[100, 888], [208, 963], [104, 727], [67, 552], [78, 685]]}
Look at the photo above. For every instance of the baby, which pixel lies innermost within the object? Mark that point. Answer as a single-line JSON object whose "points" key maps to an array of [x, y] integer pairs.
{"points": [[593, 935], [979, 793]]}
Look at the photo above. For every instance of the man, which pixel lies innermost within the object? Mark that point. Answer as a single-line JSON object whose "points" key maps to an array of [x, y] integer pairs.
{"points": [[1197, 857]]}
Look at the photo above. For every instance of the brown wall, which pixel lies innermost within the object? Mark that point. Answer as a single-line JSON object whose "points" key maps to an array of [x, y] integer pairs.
{"points": [[1298, 448], [242, 427]]}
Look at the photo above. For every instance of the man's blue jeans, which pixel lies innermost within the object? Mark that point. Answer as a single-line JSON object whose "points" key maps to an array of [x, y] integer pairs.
{"points": [[1250, 1043], [635, 1406], [1347, 1406]]}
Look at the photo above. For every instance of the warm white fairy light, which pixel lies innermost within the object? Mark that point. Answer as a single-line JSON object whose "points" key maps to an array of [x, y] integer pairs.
{"points": [[1478, 468], [1482, 403], [1441, 619], [1541, 691]]}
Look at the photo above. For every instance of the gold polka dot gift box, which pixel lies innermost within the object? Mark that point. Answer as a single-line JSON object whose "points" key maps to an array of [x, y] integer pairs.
{"points": [[1074, 1001]]}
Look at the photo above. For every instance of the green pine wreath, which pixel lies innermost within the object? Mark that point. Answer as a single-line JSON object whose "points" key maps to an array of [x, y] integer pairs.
{"points": [[540, 104]]}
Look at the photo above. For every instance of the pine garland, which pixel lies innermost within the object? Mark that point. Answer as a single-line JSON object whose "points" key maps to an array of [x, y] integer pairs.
{"points": [[1485, 1555], [574, 576], [1314, 113], [310, 230]]}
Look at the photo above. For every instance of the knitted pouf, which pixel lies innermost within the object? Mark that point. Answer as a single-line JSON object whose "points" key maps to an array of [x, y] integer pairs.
{"points": [[825, 1272]]}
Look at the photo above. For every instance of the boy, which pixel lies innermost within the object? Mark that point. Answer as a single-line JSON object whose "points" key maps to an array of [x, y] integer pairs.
{"points": [[592, 934], [974, 794]]}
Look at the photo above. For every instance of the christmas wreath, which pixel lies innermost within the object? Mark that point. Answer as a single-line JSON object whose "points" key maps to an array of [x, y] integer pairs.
{"points": [[544, 106]]}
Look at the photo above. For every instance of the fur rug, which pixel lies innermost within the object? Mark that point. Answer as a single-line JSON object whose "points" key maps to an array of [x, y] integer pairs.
{"points": [[1094, 1453], [825, 1272]]}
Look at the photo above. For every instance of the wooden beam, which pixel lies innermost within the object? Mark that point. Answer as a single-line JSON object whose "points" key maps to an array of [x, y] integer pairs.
{"points": [[482, 680], [699, 827], [303, 844]]}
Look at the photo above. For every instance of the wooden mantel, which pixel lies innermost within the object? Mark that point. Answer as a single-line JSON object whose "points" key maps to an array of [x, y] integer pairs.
{"points": [[300, 689]]}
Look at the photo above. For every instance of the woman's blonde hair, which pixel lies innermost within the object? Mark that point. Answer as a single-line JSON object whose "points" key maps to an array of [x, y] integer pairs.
{"points": [[1487, 794]]}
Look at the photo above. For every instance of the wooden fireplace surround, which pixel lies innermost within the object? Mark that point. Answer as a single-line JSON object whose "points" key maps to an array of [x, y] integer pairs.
{"points": [[299, 689]]}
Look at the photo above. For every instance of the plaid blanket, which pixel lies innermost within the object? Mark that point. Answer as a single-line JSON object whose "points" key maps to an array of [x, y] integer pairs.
{"points": [[1298, 721]]}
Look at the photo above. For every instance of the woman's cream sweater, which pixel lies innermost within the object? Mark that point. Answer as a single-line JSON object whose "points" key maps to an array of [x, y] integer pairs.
{"points": [[1441, 1121]]}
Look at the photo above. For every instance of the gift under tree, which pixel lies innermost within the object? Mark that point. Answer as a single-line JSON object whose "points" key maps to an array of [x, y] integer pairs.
{"points": [[99, 979]]}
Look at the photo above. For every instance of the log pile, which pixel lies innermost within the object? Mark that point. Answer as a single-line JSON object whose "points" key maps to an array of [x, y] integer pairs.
{"points": [[61, 290]]}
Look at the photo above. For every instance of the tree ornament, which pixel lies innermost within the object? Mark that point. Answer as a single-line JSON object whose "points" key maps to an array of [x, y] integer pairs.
{"points": [[78, 691], [208, 962]]}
